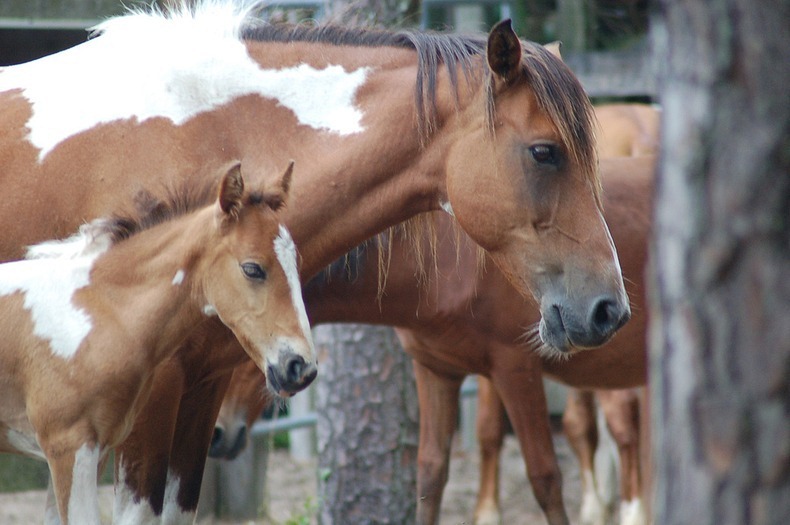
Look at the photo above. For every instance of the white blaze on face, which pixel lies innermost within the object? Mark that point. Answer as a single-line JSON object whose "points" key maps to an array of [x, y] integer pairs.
{"points": [[285, 249], [48, 284], [143, 66]]}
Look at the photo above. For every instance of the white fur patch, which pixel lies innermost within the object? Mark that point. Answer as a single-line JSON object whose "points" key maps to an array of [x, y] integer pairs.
{"points": [[592, 510], [172, 513], [49, 282], [178, 278], [25, 444], [633, 513], [285, 249], [127, 509], [143, 66], [209, 310], [84, 498]]}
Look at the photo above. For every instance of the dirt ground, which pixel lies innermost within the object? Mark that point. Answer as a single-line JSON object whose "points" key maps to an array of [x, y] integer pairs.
{"points": [[299, 481]]}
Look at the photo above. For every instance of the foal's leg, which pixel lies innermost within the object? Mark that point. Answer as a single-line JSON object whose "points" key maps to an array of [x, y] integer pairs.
{"points": [[621, 408], [518, 378], [490, 433], [141, 460], [581, 429], [438, 396], [197, 416], [74, 477], [51, 514]]}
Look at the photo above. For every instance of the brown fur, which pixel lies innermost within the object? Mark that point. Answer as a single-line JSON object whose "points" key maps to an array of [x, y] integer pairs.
{"points": [[452, 323], [348, 188], [139, 316]]}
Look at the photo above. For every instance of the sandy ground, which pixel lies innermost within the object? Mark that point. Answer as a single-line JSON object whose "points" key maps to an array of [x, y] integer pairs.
{"points": [[519, 506]]}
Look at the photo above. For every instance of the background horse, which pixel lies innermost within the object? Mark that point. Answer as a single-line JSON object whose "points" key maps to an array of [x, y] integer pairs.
{"points": [[501, 135], [625, 130], [451, 322], [85, 321]]}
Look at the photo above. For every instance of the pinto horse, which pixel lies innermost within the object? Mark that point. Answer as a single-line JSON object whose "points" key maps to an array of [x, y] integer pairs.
{"points": [[84, 322], [450, 321], [383, 126]]}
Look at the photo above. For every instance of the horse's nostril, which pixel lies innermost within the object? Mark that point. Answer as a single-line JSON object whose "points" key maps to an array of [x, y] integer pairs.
{"points": [[607, 316], [216, 438], [295, 368]]}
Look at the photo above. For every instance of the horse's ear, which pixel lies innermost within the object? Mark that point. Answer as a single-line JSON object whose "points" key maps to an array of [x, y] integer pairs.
{"points": [[504, 51], [554, 48], [231, 190], [276, 200]]}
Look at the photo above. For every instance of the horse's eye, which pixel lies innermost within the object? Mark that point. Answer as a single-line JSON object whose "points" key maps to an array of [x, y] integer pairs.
{"points": [[545, 154], [253, 271]]}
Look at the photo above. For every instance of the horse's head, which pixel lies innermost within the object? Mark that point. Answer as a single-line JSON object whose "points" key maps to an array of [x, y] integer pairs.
{"points": [[523, 183], [243, 404], [252, 283]]}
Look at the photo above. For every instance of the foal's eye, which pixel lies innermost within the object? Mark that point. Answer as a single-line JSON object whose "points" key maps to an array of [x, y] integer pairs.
{"points": [[545, 154], [253, 271]]}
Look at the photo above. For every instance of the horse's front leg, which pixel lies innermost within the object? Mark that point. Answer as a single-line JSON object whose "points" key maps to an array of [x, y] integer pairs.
{"points": [[581, 429], [73, 468], [490, 435], [197, 416], [438, 396], [621, 409], [141, 460], [517, 377]]}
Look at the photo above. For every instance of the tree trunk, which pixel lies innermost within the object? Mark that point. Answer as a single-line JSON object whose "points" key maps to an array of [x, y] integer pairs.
{"points": [[367, 428], [720, 329]]}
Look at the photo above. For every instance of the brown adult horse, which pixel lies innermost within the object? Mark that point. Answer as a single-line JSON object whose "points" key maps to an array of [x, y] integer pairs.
{"points": [[459, 329], [625, 130], [84, 322], [628, 130], [497, 130]]}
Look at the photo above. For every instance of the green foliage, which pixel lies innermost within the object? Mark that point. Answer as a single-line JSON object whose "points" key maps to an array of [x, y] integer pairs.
{"points": [[19, 473], [304, 515]]}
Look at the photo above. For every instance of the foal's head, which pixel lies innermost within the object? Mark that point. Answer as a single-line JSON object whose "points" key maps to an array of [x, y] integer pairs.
{"points": [[250, 280]]}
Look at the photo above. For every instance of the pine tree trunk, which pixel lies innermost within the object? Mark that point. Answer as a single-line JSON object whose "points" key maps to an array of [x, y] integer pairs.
{"points": [[367, 428], [720, 333]]}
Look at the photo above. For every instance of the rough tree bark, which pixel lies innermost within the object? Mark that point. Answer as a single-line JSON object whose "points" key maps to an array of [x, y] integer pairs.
{"points": [[720, 334], [367, 428]]}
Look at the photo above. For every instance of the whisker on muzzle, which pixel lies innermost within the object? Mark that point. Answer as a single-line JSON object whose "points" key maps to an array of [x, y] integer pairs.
{"points": [[532, 341]]}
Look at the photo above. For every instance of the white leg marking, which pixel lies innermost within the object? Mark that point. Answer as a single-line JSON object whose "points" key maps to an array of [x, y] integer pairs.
{"points": [[172, 513], [633, 513], [84, 498], [127, 511], [488, 514], [592, 511]]}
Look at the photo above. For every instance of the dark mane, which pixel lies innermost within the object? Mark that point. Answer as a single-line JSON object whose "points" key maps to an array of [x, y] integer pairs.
{"points": [[556, 89], [433, 49], [150, 210]]}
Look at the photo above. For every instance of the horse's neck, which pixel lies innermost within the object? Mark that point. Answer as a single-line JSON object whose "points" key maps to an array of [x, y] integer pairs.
{"points": [[349, 187], [154, 282]]}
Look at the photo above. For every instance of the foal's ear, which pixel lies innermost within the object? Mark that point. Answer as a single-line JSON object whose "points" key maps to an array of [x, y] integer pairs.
{"points": [[504, 51], [231, 190], [554, 48], [276, 199]]}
